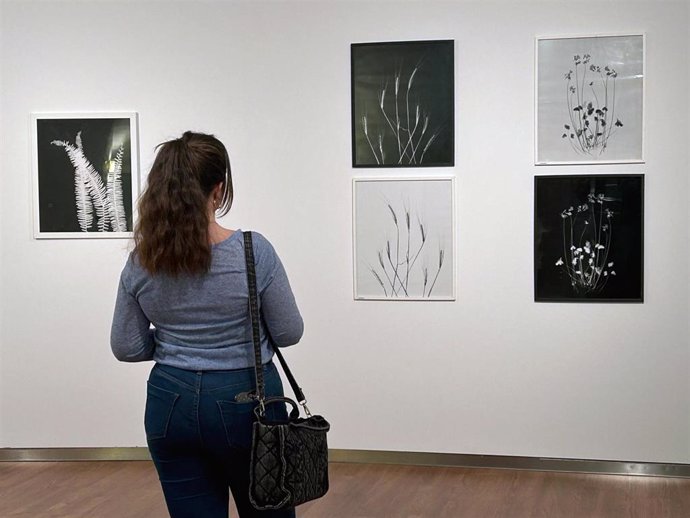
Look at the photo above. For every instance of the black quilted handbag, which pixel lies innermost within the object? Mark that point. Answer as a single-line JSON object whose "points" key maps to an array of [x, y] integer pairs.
{"points": [[289, 460]]}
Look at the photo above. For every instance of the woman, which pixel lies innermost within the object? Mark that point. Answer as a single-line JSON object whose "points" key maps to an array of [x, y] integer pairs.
{"points": [[183, 303]]}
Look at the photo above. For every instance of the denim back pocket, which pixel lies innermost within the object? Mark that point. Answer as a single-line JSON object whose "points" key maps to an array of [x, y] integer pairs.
{"points": [[237, 421], [159, 407], [238, 417]]}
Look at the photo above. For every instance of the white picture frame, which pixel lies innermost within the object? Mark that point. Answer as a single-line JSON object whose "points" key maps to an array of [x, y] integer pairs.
{"points": [[85, 178], [578, 76], [404, 238]]}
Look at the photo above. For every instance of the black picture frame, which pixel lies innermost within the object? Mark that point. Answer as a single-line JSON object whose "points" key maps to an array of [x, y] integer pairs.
{"points": [[589, 238], [403, 104]]}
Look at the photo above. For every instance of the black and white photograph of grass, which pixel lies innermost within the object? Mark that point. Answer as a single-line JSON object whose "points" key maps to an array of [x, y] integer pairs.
{"points": [[84, 176], [590, 99], [403, 104], [404, 239], [589, 238]]}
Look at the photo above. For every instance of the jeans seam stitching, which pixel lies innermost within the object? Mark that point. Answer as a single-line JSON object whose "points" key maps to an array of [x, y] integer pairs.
{"points": [[173, 379], [197, 404]]}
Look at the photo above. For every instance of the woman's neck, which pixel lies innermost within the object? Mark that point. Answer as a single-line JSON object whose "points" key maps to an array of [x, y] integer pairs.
{"points": [[216, 233]]}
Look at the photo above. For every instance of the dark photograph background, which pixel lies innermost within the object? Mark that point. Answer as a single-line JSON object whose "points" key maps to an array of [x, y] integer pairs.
{"points": [[624, 197], [374, 67], [101, 140]]}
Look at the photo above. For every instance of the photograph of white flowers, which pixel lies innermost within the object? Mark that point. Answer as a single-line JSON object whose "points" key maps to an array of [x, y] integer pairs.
{"points": [[85, 174], [403, 104], [588, 238], [590, 100], [404, 238]]}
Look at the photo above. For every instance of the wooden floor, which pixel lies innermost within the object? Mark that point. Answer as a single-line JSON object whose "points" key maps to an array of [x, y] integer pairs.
{"points": [[130, 490]]}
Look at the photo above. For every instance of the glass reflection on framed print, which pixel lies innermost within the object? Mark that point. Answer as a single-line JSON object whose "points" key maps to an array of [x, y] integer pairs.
{"points": [[590, 100], [403, 104], [588, 238], [86, 174]]}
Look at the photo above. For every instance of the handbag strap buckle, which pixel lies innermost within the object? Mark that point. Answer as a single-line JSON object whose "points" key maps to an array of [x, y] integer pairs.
{"points": [[306, 408]]}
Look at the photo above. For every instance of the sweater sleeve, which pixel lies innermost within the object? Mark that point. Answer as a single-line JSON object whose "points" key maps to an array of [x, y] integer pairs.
{"points": [[131, 336], [281, 315]]}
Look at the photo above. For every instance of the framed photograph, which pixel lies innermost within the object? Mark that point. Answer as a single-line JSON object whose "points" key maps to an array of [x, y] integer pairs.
{"points": [[404, 246], [403, 104], [590, 99], [86, 174], [588, 238]]}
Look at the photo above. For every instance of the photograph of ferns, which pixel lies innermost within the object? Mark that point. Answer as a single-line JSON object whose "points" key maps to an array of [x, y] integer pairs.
{"points": [[84, 176]]}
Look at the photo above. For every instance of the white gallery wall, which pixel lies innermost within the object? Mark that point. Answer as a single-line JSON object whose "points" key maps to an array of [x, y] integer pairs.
{"points": [[490, 373], [2, 165]]}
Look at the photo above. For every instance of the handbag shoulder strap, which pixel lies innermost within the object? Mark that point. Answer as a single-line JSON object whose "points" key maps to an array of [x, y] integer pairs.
{"points": [[254, 315], [256, 334]]}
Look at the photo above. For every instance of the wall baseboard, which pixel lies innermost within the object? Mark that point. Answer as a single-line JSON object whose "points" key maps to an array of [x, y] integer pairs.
{"points": [[459, 460], [72, 454], [610, 467]]}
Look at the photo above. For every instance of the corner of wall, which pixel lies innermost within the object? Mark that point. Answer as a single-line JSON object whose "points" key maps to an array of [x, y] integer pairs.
{"points": [[687, 164], [2, 154]]}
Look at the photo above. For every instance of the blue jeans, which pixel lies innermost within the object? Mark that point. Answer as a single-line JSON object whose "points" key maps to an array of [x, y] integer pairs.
{"points": [[200, 438]]}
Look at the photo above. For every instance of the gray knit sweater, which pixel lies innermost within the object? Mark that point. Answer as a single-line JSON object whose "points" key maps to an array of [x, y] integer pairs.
{"points": [[202, 322]]}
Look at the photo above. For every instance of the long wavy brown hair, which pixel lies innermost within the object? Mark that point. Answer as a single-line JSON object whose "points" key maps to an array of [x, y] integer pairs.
{"points": [[171, 234]]}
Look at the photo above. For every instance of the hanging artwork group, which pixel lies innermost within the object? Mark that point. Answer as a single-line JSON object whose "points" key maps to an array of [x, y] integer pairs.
{"points": [[403, 117], [588, 228]]}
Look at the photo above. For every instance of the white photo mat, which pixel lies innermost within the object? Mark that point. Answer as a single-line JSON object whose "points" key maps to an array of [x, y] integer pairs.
{"points": [[404, 238], [609, 74], [71, 142]]}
